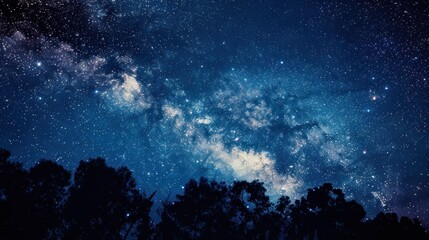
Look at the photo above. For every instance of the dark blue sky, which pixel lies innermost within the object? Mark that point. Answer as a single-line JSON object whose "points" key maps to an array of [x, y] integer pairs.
{"points": [[294, 93]]}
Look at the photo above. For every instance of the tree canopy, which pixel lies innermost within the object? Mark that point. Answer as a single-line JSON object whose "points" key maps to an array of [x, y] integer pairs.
{"points": [[103, 202]]}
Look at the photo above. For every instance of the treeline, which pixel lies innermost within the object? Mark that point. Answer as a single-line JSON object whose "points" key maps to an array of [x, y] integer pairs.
{"points": [[104, 203]]}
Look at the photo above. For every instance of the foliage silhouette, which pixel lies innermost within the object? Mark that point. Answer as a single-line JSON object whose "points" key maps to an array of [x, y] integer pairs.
{"points": [[104, 203], [31, 200], [212, 210], [109, 203], [325, 214], [386, 226], [46, 194], [14, 200]]}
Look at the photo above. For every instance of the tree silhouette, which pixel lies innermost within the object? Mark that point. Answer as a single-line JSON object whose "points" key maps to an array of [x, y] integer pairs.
{"points": [[280, 217], [31, 200], [252, 207], [104, 203], [48, 185], [198, 213], [14, 199], [212, 210], [386, 226], [325, 214]]}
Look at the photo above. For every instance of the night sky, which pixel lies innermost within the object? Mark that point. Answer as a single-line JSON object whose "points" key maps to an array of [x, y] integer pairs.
{"points": [[293, 93]]}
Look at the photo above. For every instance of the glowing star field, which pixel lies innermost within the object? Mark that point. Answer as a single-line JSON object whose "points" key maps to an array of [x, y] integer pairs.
{"points": [[293, 93]]}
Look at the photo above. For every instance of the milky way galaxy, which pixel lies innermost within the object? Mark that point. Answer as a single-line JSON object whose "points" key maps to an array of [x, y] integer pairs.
{"points": [[293, 93]]}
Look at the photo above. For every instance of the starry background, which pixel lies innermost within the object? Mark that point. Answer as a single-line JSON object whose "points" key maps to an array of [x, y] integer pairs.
{"points": [[293, 93]]}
